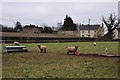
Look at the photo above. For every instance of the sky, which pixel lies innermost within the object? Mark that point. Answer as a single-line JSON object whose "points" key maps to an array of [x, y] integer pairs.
{"points": [[51, 13]]}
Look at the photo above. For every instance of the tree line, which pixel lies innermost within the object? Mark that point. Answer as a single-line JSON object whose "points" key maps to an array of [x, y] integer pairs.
{"points": [[18, 27], [111, 23]]}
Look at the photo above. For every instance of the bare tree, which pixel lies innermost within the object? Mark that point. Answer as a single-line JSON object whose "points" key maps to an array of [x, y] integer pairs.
{"points": [[111, 23], [59, 25]]}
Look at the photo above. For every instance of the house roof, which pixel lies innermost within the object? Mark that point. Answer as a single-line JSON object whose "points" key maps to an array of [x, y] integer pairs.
{"points": [[30, 26], [89, 27], [33, 26]]}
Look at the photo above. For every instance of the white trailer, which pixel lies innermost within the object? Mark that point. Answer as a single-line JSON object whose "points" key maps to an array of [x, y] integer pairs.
{"points": [[14, 49]]}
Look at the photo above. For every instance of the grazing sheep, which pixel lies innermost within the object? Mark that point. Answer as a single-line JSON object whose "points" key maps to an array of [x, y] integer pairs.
{"points": [[71, 49], [42, 48], [94, 43], [106, 51], [16, 43]]}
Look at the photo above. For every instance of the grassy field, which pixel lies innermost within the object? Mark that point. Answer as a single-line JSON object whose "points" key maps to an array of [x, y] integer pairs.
{"points": [[56, 64]]}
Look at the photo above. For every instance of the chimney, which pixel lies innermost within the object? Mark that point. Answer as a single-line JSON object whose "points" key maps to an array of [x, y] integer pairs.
{"points": [[88, 21]]}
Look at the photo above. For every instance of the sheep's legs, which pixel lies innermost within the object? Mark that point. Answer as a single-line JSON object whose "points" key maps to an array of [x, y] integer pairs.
{"points": [[67, 53], [41, 50], [44, 50], [70, 53]]}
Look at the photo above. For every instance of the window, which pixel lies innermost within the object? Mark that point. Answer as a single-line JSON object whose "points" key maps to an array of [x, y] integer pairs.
{"points": [[82, 31], [88, 35], [95, 31], [88, 31], [82, 35]]}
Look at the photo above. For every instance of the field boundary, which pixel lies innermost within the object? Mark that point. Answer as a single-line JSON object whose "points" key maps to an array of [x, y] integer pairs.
{"points": [[10, 39]]}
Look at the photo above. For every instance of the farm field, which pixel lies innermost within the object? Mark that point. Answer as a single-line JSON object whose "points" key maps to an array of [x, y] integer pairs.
{"points": [[21, 34], [56, 64]]}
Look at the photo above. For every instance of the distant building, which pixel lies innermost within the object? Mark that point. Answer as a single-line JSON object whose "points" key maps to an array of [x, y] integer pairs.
{"points": [[119, 11], [116, 33], [32, 29], [86, 31], [91, 31]]}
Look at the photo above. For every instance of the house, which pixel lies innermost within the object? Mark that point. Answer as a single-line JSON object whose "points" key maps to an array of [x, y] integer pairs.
{"points": [[116, 33], [91, 31], [86, 31], [32, 29]]}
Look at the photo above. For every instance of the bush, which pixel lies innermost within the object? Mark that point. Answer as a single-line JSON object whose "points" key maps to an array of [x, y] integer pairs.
{"points": [[47, 30]]}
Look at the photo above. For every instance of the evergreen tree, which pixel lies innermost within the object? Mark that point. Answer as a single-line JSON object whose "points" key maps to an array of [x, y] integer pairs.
{"points": [[68, 24], [18, 26], [47, 29]]}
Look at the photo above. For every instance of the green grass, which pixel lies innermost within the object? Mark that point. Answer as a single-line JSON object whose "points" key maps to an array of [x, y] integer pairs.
{"points": [[56, 64]]}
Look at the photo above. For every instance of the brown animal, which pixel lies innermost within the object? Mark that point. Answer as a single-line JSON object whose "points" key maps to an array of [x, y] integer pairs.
{"points": [[42, 48], [71, 49]]}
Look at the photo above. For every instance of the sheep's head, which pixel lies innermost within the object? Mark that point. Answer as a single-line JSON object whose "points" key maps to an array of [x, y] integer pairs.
{"points": [[76, 47], [16, 43], [39, 46]]}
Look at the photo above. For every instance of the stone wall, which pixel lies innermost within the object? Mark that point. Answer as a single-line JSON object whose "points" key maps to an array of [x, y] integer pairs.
{"points": [[71, 33]]}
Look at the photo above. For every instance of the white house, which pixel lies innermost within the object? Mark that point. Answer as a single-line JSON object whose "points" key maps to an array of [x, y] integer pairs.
{"points": [[91, 31], [116, 34], [86, 31]]}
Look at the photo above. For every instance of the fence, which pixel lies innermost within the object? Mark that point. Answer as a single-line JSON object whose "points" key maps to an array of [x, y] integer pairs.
{"points": [[50, 39]]}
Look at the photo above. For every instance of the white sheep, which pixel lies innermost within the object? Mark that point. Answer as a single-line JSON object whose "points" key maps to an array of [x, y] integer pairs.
{"points": [[106, 51], [94, 43], [42, 48], [71, 49], [16, 43]]}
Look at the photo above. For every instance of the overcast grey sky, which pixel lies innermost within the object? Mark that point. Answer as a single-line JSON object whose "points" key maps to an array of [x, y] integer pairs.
{"points": [[51, 13]]}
